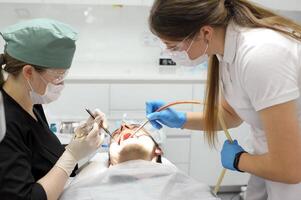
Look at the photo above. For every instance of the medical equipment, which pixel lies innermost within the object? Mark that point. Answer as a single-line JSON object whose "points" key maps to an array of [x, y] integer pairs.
{"points": [[106, 130], [2, 118], [68, 127], [222, 123]]}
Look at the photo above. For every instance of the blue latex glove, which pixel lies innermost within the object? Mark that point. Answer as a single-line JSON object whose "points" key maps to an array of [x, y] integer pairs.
{"points": [[229, 152], [168, 117]]}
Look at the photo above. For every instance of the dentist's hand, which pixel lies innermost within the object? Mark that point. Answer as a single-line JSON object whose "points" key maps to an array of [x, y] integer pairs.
{"points": [[87, 139], [230, 155], [102, 122], [168, 117]]}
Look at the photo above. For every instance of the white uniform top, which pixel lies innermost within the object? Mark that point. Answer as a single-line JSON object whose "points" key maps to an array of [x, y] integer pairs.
{"points": [[261, 68]]}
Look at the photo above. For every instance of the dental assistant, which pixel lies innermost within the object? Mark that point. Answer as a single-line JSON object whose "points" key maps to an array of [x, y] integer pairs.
{"points": [[253, 77], [33, 163]]}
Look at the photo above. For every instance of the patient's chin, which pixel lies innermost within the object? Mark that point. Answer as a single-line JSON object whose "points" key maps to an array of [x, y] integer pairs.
{"points": [[145, 143], [134, 151]]}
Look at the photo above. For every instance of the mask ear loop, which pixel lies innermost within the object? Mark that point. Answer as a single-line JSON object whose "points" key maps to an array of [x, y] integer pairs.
{"points": [[30, 86], [207, 46], [43, 79], [205, 51]]}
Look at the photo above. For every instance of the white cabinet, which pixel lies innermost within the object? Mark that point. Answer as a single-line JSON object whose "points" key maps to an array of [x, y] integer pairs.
{"points": [[205, 161], [177, 148]]}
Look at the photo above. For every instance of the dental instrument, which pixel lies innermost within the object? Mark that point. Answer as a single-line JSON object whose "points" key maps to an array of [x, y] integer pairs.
{"points": [[106, 130]]}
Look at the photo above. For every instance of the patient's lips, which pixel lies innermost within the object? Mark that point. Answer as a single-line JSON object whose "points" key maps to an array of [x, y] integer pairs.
{"points": [[126, 136]]}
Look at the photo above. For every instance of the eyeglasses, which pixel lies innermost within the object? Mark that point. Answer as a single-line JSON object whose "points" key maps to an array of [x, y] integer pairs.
{"points": [[59, 77], [178, 47]]}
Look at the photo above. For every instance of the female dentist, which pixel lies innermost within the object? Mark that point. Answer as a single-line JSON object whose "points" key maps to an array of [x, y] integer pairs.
{"points": [[33, 163], [255, 62]]}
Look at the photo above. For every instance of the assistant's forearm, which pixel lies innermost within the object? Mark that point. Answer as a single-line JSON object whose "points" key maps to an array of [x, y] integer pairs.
{"points": [[266, 167], [196, 121]]}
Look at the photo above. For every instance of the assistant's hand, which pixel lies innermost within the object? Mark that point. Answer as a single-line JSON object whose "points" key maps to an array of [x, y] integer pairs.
{"points": [[168, 117], [229, 153]]}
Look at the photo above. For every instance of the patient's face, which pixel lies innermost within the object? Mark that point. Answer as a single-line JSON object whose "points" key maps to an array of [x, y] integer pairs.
{"points": [[128, 146]]}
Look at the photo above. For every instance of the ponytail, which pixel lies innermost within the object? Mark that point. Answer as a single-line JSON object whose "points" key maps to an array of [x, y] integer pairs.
{"points": [[212, 99]]}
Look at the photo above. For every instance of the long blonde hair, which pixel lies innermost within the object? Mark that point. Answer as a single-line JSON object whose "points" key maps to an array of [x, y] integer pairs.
{"points": [[178, 19]]}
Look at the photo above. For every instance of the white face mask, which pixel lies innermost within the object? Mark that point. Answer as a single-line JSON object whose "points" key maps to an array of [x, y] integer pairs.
{"points": [[51, 94], [182, 58]]}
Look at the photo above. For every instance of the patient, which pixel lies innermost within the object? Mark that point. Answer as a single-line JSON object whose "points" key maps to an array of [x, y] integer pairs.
{"points": [[126, 145], [133, 170]]}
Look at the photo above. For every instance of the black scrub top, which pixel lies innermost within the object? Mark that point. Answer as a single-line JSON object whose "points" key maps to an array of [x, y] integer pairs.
{"points": [[27, 153]]}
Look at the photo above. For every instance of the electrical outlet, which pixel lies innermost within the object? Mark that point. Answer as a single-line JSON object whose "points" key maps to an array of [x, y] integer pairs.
{"points": [[166, 61]]}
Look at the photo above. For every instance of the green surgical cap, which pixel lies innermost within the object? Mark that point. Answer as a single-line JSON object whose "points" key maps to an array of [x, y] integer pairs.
{"points": [[41, 42]]}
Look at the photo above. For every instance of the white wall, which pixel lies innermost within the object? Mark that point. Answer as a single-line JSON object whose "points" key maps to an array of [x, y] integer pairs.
{"points": [[112, 39], [108, 35]]}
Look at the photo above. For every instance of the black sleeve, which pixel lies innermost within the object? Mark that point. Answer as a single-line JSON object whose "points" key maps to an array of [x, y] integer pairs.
{"points": [[16, 179]]}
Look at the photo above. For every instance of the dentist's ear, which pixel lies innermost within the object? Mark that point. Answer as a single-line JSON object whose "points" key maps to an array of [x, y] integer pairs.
{"points": [[27, 71]]}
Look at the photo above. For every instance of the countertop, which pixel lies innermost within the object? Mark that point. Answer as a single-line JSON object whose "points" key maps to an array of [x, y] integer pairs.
{"points": [[134, 74]]}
